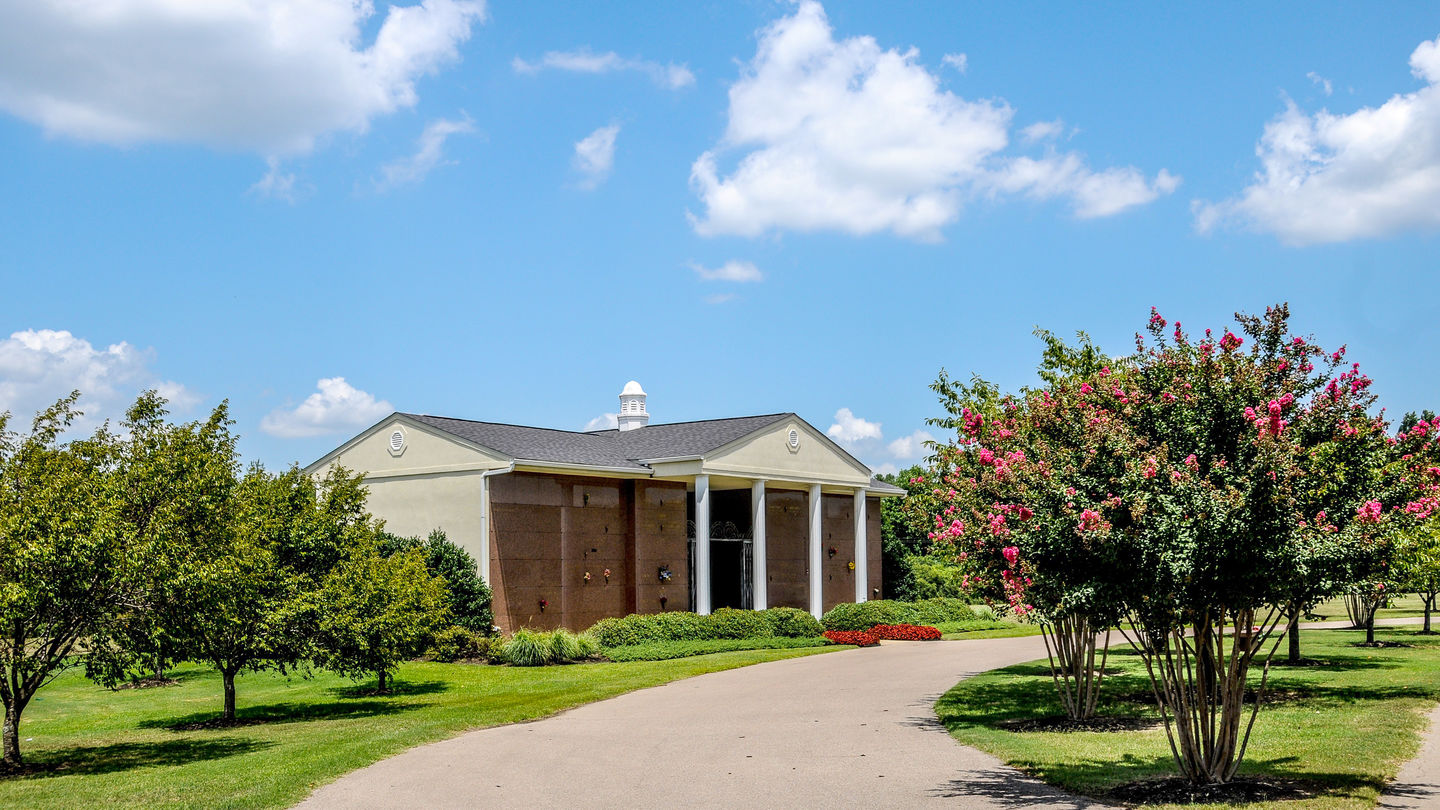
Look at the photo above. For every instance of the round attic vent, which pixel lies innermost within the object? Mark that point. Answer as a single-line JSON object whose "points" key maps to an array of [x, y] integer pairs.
{"points": [[397, 441], [794, 439]]}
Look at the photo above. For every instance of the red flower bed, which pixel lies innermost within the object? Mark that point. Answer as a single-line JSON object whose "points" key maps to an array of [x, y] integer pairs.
{"points": [[860, 638], [905, 632]]}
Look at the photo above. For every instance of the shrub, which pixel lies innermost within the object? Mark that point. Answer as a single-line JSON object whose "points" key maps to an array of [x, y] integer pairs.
{"points": [[859, 638], [469, 596], [864, 615], [905, 632], [681, 626], [733, 623], [527, 648], [455, 643], [725, 623], [666, 650], [792, 623]]}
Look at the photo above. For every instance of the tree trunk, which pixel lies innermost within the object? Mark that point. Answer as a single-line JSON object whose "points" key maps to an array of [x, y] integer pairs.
{"points": [[1370, 625], [1070, 645], [380, 678], [12, 736], [229, 676], [1294, 633], [1429, 600]]}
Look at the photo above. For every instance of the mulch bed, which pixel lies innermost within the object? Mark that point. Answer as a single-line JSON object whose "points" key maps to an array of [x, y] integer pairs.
{"points": [[1238, 791], [1065, 724]]}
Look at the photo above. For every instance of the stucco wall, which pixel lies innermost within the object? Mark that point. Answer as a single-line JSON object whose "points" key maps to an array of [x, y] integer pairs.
{"points": [[414, 506]]}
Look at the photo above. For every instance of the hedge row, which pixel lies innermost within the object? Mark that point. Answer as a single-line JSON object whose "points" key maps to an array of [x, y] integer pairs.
{"points": [[725, 623], [665, 650], [865, 615]]}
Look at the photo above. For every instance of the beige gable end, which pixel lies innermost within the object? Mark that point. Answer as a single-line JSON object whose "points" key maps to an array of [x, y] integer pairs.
{"points": [[788, 450], [401, 447]]}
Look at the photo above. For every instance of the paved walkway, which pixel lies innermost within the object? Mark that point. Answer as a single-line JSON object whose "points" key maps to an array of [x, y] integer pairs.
{"points": [[848, 729]]}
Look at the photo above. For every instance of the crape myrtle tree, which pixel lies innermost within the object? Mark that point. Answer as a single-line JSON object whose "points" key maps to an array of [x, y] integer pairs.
{"points": [[1015, 497], [1406, 510], [1218, 524], [1417, 556], [65, 559]]}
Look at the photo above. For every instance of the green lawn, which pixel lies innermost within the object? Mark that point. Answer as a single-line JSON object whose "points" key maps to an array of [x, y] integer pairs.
{"points": [[1404, 607], [1344, 726], [120, 749], [999, 628]]}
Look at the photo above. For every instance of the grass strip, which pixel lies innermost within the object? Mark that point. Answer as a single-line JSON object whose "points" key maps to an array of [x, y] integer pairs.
{"points": [[1340, 726]]}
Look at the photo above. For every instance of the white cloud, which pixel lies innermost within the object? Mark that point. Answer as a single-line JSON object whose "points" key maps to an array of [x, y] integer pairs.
{"points": [[1042, 131], [269, 76], [337, 406], [39, 366], [733, 270], [1332, 177], [866, 441], [959, 61], [595, 155], [275, 184], [910, 447], [583, 60], [429, 154], [844, 135], [605, 421], [1091, 193], [849, 428], [1321, 82]]}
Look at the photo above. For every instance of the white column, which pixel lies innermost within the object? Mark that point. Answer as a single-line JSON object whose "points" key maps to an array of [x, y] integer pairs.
{"points": [[702, 544], [484, 551], [760, 587], [862, 567], [817, 583]]}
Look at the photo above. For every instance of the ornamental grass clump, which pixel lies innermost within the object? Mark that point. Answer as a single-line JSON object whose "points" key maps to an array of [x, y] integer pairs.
{"points": [[527, 648]]}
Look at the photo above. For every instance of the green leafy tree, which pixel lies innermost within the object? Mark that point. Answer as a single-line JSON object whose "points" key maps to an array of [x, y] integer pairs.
{"points": [[469, 596], [174, 485], [902, 537], [65, 566], [375, 611], [249, 590]]}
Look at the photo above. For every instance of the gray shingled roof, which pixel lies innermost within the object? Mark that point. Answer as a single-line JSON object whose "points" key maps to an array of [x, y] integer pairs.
{"points": [[613, 448], [535, 444], [605, 448], [682, 439]]}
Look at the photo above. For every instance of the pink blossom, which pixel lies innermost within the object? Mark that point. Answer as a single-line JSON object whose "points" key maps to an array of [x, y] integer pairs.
{"points": [[1085, 388], [1369, 512], [1229, 342], [1090, 521], [1191, 462], [1011, 554]]}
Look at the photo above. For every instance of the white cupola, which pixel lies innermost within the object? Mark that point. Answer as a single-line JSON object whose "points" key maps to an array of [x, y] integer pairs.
{"points": [[632, 407]]}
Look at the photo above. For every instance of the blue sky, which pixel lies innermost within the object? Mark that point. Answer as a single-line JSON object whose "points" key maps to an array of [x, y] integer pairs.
{"points": [[504, 211]]}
